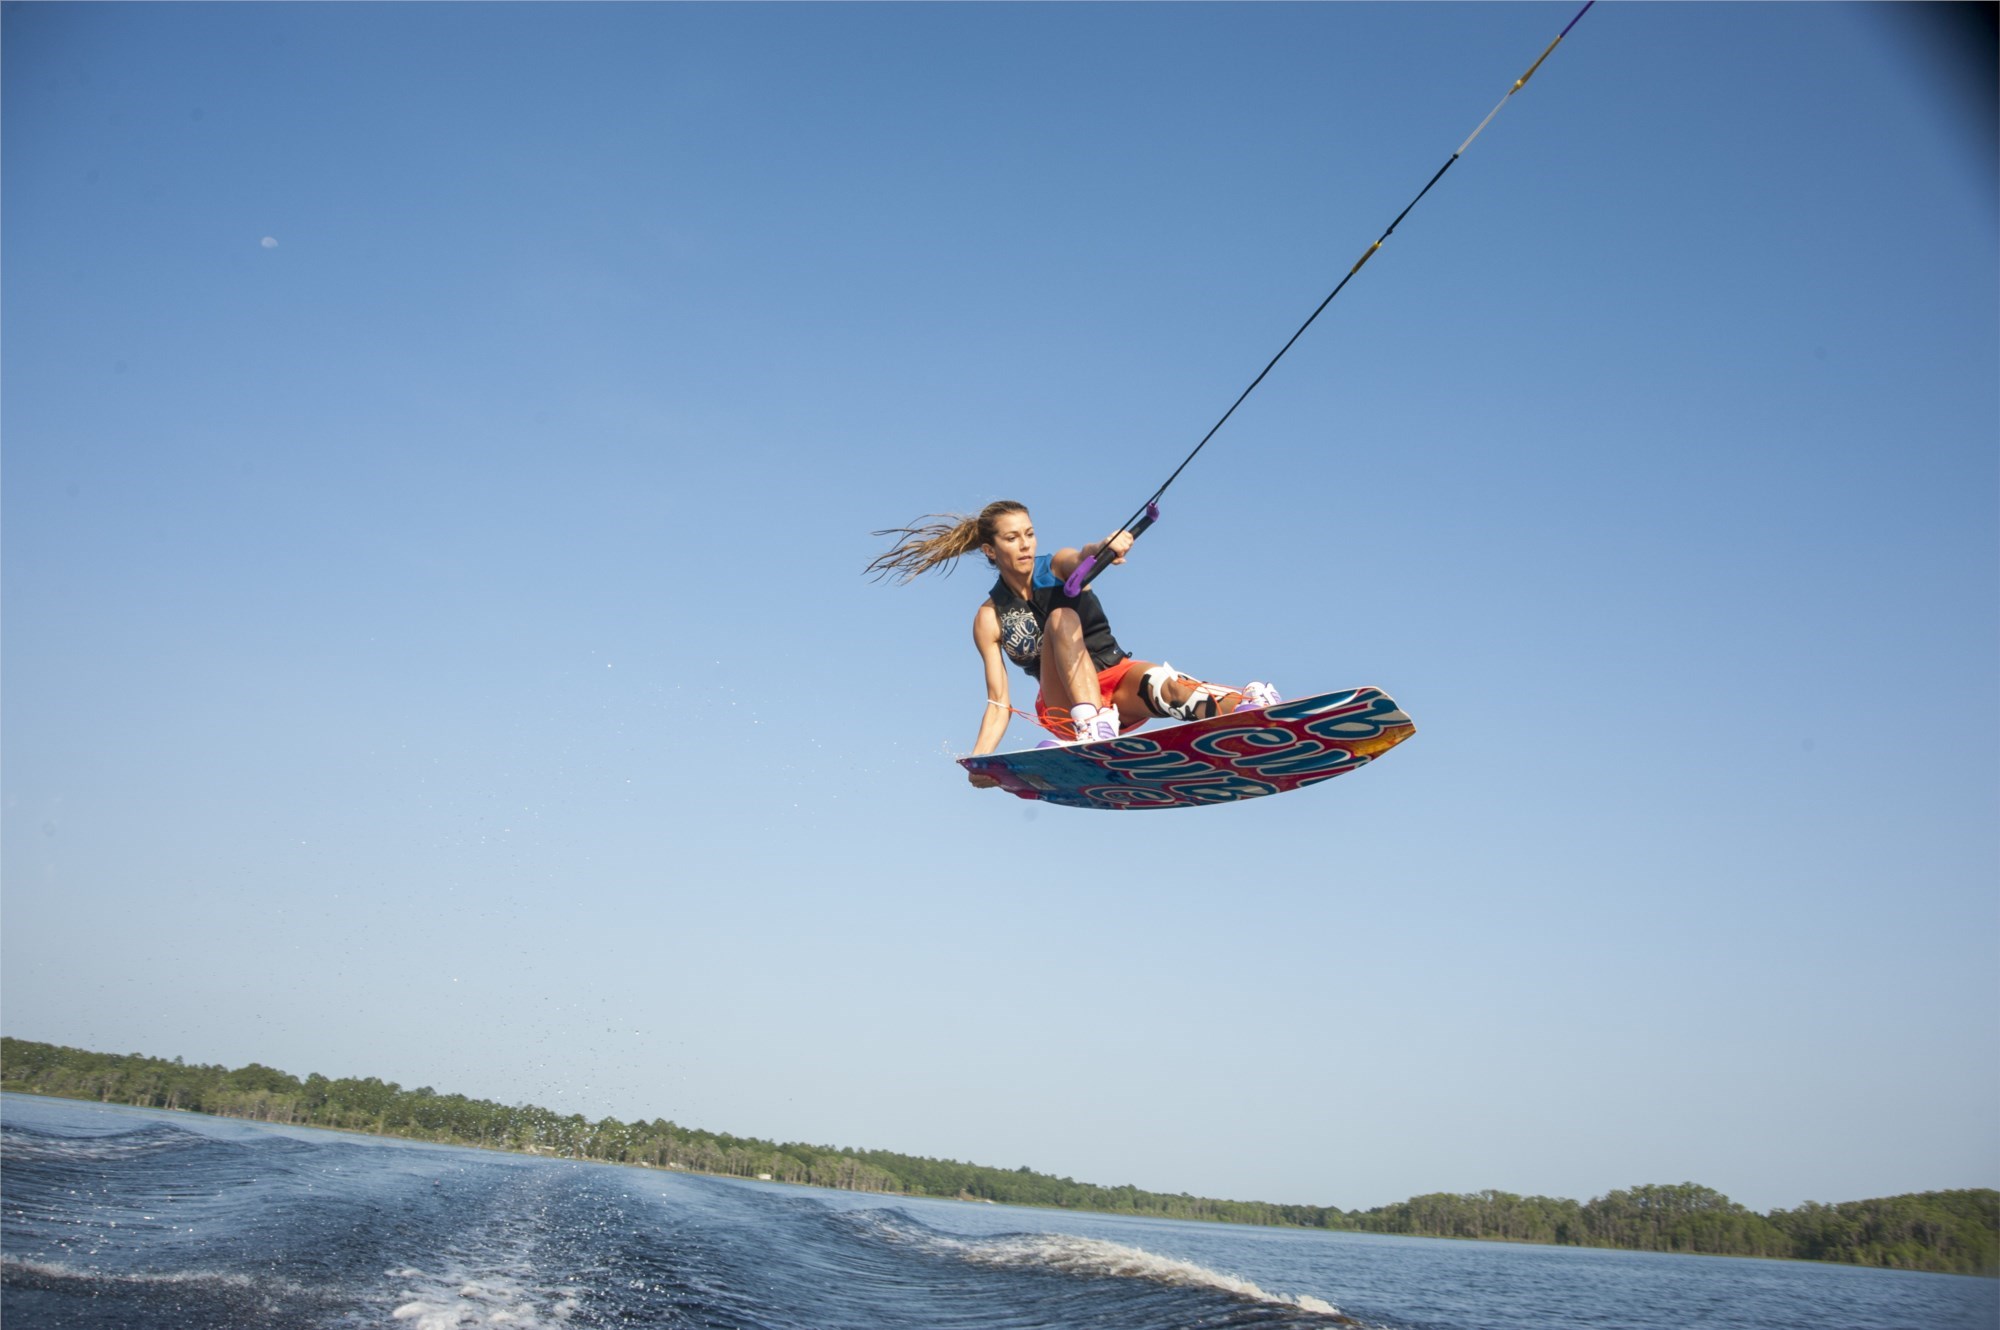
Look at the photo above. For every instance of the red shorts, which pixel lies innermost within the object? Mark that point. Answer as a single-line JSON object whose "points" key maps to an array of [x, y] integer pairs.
{"points": [[1108, 680]]}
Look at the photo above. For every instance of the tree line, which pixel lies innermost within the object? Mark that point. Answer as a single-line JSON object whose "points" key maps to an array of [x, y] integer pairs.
{"points": [[1954, 1232]]}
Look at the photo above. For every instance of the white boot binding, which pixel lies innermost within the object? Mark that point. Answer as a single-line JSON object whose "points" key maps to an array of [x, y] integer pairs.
{"points": [[1203, 699]]}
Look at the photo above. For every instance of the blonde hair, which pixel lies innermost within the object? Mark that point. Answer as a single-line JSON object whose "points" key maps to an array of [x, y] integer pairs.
{"points": [[925, 546]]}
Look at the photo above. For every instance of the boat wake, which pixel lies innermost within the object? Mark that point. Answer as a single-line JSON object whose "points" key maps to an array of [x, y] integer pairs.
{"points": [[225, 1224], [1090, 1258]]}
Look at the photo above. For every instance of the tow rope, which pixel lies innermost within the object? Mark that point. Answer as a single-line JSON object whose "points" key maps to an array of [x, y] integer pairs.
{"points": [[1149, 511]]}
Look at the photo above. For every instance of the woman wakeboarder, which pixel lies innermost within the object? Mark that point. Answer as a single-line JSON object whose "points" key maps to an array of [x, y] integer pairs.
{"points": [[1087, 682]]}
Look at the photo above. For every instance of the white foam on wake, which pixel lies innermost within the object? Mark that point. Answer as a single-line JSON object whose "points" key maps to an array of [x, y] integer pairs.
{"points": [[236, 1298], [453, 1300], [1097, 1258], [18, 1268]]}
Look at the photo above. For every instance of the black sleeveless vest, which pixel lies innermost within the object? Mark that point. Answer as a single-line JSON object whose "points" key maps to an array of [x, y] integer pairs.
{"points": [[1022, 621]]}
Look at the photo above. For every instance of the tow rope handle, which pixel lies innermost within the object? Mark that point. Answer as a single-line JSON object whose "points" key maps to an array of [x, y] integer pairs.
{"points": [[1090, 567]]}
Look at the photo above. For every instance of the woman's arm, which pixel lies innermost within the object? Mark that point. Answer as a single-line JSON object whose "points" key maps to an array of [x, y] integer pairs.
{"points": [[1063, 562], [993, 724]]}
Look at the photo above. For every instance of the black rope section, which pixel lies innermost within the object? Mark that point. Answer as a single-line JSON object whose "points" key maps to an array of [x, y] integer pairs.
{"points": [[1144, 516]]}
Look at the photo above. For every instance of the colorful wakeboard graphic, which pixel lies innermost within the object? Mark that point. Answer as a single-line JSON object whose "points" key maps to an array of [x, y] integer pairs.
{"points": [[1243, 755]]}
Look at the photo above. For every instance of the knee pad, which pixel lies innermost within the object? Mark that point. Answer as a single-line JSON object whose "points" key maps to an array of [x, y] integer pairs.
{"points": [[1202, 701]]}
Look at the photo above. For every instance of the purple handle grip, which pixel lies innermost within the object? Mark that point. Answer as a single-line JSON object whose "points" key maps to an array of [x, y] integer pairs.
{"points": [[1088, 569]]}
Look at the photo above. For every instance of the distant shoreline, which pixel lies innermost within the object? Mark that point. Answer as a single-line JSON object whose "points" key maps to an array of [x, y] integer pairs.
{"points": [[1948, 1232]]}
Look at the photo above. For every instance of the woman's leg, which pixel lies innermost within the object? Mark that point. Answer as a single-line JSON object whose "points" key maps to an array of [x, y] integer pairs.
{"points": [[1068, 677], [1128, 698], [1176, 691]]}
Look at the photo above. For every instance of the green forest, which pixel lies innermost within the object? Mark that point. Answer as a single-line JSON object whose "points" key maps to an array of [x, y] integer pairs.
{"points": [[1956, 1232]]}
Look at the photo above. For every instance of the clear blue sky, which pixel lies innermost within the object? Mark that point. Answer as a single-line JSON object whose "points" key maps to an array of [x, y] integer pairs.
{"points": [[441, 447]]}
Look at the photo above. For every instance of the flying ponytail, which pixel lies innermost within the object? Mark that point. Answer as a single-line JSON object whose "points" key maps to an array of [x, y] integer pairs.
{"points": [[920, 548]]}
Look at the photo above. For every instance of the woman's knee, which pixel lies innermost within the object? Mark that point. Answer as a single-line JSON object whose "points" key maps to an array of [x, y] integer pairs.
{"points": [[1065, 627], [1171, 695]]}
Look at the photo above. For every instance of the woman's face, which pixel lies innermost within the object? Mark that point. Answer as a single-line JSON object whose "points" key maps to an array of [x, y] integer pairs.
{"points": [[1013, 546]]}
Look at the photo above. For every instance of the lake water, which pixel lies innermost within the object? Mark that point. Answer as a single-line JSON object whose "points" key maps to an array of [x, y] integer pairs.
{"points": [[118, 1218]]}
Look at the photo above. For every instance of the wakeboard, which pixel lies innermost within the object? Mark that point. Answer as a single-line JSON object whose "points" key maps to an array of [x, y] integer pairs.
{"points": [[1244, 755]]}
